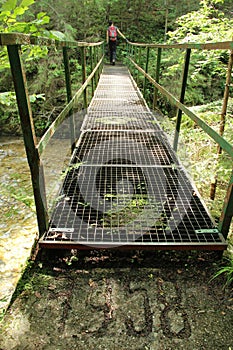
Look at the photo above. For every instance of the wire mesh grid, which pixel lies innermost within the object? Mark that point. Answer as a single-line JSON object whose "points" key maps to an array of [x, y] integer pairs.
{"points": [[120, 105], [113, 205], [121, 95], [125, 147], [103, 120], [116, 88]]}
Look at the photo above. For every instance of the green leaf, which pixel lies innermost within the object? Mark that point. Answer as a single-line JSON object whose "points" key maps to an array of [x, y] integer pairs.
{"points": [[32, 28], [7, 98], [57, 35], [35, 97], [19, 11], [26, 3], [45, 20], [9, 5], [32, 98], [11, 20], [40, 15], [4, 15]]}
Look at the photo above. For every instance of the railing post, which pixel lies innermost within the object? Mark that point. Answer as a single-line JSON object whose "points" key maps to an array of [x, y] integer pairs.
{"points": [[35, 164], [91, 64], [146, 69], [103, 50], [159, 54], [139, 62], [227, 211], [84, 74], [95, 62], [69, 95], [182, 94]]}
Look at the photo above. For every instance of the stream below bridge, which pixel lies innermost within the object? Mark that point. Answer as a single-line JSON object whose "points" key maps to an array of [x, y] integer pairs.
{"points": [[18, 224]]}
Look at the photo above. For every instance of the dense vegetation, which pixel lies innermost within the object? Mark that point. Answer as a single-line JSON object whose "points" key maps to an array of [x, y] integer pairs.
{"points": [[147, 21]]}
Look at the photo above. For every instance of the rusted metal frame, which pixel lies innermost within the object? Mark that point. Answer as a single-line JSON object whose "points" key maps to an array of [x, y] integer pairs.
{"points": [[226, 146], [134, 245], [227, 211], [84, 74], [146, 69], [35, 164], [62, 116], [223, 120], [157, 76], [69, 95], [182, 94]]}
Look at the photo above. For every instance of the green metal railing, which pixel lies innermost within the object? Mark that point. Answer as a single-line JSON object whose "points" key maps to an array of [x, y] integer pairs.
{"points": [[135, 53], [34, 149]]}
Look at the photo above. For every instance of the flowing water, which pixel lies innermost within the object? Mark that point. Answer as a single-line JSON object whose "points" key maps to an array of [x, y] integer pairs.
{"points": [[18, 225]]}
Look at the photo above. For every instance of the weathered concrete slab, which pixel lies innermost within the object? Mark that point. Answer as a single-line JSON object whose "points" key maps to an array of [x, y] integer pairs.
{"points": [[155, 301]]}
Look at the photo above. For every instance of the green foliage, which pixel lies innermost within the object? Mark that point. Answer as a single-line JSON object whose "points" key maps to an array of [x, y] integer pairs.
{"points": [[227, 271], [11, 18], [207, 24], [207, 69], [7, 98], [14, 17], [9, 120]]}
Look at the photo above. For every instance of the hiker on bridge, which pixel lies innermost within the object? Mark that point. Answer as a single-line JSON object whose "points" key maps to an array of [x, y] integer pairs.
{"points": [[112, 41]]}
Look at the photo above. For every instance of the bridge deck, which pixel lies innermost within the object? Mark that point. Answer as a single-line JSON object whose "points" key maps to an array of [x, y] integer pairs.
{"points": [[125, 186]]}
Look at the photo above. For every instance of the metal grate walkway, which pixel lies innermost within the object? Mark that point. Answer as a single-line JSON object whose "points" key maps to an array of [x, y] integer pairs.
{"points": [[125, 186]]}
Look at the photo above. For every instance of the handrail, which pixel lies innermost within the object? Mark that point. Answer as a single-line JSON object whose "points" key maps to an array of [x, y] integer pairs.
{"points": [[7, 39], [221, 45]]}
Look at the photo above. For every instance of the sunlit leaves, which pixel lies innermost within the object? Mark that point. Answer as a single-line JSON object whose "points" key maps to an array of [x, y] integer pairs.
{"points": [[9, 5], [7, 98], [27, 3]]}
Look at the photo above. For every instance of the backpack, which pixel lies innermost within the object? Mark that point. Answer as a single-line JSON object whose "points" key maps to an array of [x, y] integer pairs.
{"points": [[112, 33]]}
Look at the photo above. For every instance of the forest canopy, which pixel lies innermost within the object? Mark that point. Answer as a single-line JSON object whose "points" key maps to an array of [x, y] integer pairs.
{"points": [[144, 20]]}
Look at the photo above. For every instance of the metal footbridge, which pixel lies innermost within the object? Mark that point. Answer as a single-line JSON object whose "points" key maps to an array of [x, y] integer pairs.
{"points": [[125, 186], [129, 188]]}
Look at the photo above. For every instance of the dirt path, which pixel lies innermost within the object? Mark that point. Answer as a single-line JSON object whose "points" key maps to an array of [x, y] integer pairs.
{"points": [[138, 301]]}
